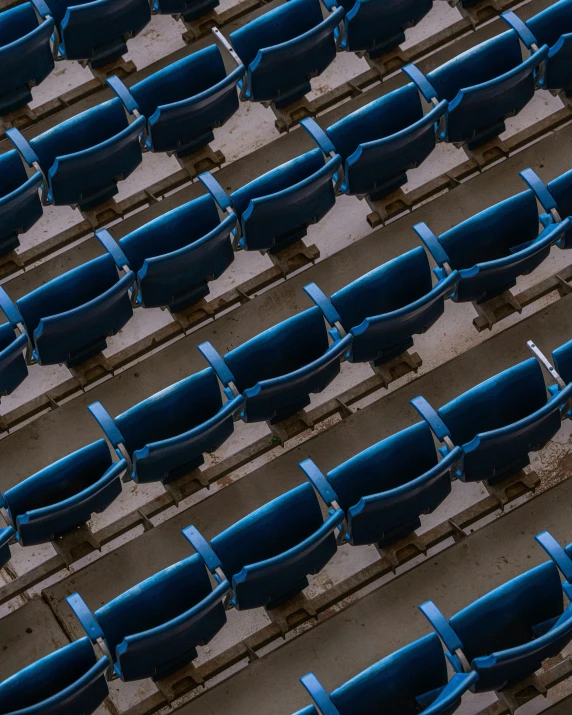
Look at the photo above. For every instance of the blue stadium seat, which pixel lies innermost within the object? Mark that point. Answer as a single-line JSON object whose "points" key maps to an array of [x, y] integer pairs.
{"points": [[498, 422], [483, 86], [268, 555], [505, 635], [13, 343], [183, 102], [64, 495], [491, 249], [164, 437], [188, 9], [69, 680], [20, 205], [562, 358], [384, 489], [26, 55], [84, 157], [556, 198], [95, 31], [387, 306], [278, 369], [553, 27], [68, 319], [276, 209], [284, 48], [562, 557], [153, 629], [6, 537], [176, 255], [411, 681], [377, 26], [380, 142]]}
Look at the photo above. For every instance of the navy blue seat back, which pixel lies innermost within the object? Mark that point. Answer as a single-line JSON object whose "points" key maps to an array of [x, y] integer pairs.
{"points": [[186, 100], [484, 85], [13, 368], [278, 369], [189, 9], [153, 629], [501, 420], [384, 489], [491, 249], [26, 55], [6, 536], [276, 209], [85, 156], [177, 254], [70, 680], [377, 26], [553, 27], [69, 318], [562, 357], [506, 634], [269, 554], [380, 142], [284, 48], [167, 434], [20, 205], [386, 307], [64, 495], [98, 30], [561, 190]]}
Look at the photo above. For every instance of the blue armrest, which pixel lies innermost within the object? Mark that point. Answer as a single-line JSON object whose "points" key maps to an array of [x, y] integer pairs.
{"points": [[441, 625], [42, 8], [323, 302], [113, 248], [319, 481], [438, 427], [215, 190], [556, 553], [128, 100], [319, 136], [521, 29], [319, 695], [203, 548], [22, 146], [10, 311], [107, 424], [85, 617], [431, 243], [422, 83], [453, 691], [217, 363], [542, 192]]}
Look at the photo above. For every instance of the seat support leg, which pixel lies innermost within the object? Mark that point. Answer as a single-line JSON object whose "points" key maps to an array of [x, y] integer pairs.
{"points": [[75, 544], [284, 614], [519, 483], [517, 694], [397, 367], [204, 159], [118, 67], [495, 309], [294, 256]]}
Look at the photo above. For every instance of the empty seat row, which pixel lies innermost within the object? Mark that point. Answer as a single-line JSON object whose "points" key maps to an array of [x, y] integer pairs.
{"points": [[367, 153], [153, 629], [377, 496], [493, 643], [170, 261]]}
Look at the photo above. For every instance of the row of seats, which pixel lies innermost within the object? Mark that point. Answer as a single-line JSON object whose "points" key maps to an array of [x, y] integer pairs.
{"points": [[35, 34], [170, 261], [376, 497], [153, 630], [368, 153]]}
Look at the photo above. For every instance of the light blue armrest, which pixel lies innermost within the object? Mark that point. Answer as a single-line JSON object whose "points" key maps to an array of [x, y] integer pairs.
{"points": [[423, 84], [128, 100], [85, 617], [521, 29], [10, 310], [42, 8], [217, 363], [319, 695], [107, 424], [203, 548], [319, 481], [322, 301], [22, 146], [441, 625], [319, 136], [431, 243], [556, 553], [438, 427], [532, 179], [215, 190], [113, 248]]}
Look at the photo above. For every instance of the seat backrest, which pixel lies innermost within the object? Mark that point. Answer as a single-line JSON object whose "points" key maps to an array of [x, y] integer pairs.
{"points": [[20, 205], [274, 528], [287, 198], [492, 233], [171, 412], [386, 465], [389, 287], [497, 402], [562, 357], [392, 685], [549, 25], [282, 349], [16, 23], [505, 617], [561, 190], [71, 675], [12, 175], [13, 368]]}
